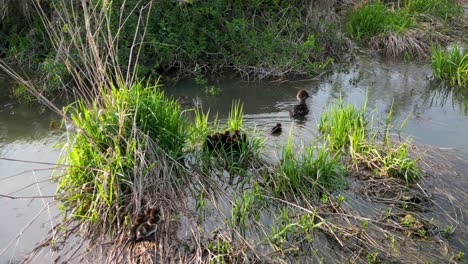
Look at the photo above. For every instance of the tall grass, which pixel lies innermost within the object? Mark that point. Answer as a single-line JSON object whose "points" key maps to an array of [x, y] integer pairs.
{"points": [[102, 152], [451, 65], [236, 116]]}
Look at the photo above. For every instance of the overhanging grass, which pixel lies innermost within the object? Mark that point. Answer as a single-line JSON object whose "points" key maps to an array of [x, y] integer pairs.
{"points": [[451, 65], [407, 29]]}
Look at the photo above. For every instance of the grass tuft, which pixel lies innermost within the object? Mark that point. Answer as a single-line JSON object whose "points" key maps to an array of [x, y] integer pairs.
{"points": [[346, 130], [312, 172], [438, 8]]}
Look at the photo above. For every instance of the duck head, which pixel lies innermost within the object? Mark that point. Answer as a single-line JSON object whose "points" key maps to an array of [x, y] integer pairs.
{"points": [[302, 95]]}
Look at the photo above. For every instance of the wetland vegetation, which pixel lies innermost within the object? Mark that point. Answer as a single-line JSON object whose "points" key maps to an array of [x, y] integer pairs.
{"points": [[148, 181]]}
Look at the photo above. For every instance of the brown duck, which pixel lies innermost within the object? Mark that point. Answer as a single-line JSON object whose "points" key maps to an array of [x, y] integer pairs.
{"points": [[300, 110]]}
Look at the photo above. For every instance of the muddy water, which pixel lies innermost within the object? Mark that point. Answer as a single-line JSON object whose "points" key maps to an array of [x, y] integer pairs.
{"points": [[436, 116]]}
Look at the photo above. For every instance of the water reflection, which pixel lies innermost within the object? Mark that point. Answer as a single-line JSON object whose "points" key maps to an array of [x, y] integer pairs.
{"points": [[442, 94], [400, 86]]}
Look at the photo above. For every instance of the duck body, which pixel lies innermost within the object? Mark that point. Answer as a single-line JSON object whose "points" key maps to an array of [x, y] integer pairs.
{"points": [[276, 130], [145, 225], [228, 142], [300, 110]]}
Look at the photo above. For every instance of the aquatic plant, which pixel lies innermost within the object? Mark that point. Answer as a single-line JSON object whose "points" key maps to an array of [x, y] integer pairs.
{"points": [[287, 228], [451, 65], [236, 116]]}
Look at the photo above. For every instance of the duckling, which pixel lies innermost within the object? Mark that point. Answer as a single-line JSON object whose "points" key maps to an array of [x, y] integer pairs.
{"points": [[301, 109], [225, 136], [145, 231], [209, 143], [276, 130], [144, 225]]}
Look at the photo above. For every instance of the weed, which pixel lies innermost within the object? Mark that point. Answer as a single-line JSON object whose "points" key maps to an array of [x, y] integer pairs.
{"points": [[371, 257], [236, 116], [345, 130], [364, 224], [287, 229], [243, 207], [460, 255], [342, 124], [447, 231]]}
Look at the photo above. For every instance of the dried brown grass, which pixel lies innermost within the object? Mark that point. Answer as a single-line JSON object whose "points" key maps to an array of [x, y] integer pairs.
{"points": [[412, 42]]}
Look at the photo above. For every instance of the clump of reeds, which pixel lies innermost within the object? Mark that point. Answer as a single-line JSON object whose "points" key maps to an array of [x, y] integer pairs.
{"points": [[103, 149], [451, 65]]}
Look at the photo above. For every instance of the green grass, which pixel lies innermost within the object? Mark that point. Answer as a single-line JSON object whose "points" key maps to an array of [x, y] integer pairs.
{"points": [[343, 124], [450, 66], [102, 152], [293, 228], [309, 173], [347, 130], [375, 18], [236, 116]]}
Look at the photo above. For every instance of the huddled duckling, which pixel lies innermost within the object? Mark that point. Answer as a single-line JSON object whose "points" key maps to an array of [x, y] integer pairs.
{"points": [[226, 141], [276, 130], [145, 225], [300, 110]]}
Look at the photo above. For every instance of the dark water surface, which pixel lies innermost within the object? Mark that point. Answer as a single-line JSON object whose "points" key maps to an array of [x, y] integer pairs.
{"points": [[437, 116]]}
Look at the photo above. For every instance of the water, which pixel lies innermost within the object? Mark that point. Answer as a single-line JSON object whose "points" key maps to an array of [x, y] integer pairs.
{"points": [[24, 136], [435, 117]]}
